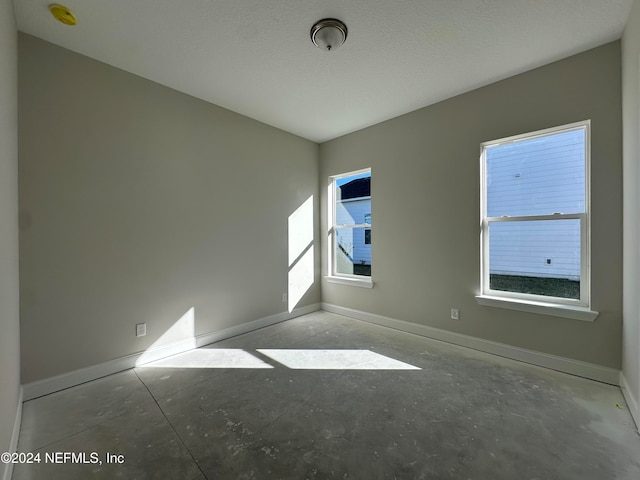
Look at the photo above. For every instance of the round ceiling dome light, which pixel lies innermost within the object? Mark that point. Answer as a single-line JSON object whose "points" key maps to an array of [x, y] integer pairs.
{"points": [[62, 14], [328, 34]]}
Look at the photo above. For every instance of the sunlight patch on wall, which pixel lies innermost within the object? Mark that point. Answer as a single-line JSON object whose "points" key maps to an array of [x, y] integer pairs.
{"points": [[211, 358], [300, 230], [300, 278], [335, 360], [178, 338], [301, 257]]}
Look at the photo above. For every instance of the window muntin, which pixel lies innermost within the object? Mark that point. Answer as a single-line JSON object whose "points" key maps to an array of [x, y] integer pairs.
{"points": [[535, 216], [351, 224]]}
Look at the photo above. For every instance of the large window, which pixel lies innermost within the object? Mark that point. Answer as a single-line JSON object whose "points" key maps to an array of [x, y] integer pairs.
{"points": [[350, 226], [535, 216]]}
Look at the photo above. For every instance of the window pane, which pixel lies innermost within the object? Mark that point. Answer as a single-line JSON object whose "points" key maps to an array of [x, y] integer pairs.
{"points": [[353, 199], [537, 257], [537, 176], [352, 247], [353, 254]]}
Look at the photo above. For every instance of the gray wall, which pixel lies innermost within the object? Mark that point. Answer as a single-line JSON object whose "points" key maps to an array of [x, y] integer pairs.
{"points": [[425, 206], [138, 203], [9, 303], [631, 156]]}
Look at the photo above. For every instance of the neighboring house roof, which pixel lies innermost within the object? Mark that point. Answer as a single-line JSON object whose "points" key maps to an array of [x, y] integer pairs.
{"points": [[360, 187]]}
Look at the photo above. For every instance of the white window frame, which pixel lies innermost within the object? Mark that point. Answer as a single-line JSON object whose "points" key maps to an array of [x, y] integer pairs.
{"points": [[334, 276], [557, 306]]}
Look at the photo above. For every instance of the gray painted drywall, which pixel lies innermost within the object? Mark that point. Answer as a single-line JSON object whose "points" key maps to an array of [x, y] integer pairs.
{"points": [[631, 168], [425, 206], [138, 203], [9, 300]]}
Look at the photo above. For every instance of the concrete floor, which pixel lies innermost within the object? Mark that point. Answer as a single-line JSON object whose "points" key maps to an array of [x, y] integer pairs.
{"points": [[386, 405]]}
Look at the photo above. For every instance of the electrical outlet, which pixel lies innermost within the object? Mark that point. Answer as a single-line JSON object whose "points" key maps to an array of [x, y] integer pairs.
{"points": [[141, 329], [455, 314], [284, 297]]}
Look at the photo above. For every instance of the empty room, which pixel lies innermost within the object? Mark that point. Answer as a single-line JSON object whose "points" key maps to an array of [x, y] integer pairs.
{"points": [[301, 239]]}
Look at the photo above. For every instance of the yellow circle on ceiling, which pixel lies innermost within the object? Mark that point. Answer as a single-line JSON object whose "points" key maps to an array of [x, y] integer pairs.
{"points": [[62, 14]]}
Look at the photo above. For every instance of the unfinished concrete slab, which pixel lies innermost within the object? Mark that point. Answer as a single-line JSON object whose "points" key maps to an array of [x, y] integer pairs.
{"points": [[326, 396]]}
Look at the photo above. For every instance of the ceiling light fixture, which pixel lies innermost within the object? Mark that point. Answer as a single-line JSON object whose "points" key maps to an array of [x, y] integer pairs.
{"points": [[328, 34], [62, 14]]}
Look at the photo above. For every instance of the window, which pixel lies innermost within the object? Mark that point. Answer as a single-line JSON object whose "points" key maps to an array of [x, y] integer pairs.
{"points": [[535, 217], [367, 231], [350, 225]]}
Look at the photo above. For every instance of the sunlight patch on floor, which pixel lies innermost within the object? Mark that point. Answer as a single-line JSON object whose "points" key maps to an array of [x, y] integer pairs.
{"points": [[211, 358], [335, 360]]}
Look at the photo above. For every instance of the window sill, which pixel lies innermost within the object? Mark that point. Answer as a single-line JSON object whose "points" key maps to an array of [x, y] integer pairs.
{"points": [[354, 282], [553, 309]]}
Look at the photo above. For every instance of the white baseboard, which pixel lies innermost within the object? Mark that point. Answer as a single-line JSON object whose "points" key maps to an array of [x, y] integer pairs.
{"points": [[13, 446], [562, 364], [60, 382], [632, 401], [575, 367]]}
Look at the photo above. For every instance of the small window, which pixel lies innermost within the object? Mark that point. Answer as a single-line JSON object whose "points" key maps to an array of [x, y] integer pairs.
{"points": [[367, 236], [351, 225], [367, 231], [535, 216]]}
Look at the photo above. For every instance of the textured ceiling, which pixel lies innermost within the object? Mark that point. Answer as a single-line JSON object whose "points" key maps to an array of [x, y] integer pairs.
{"points": [[255, 56]]}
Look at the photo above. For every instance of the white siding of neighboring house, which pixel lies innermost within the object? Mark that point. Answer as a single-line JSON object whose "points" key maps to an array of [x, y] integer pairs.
{"points": [[537, 243], [515, 173], [352, 211]]}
